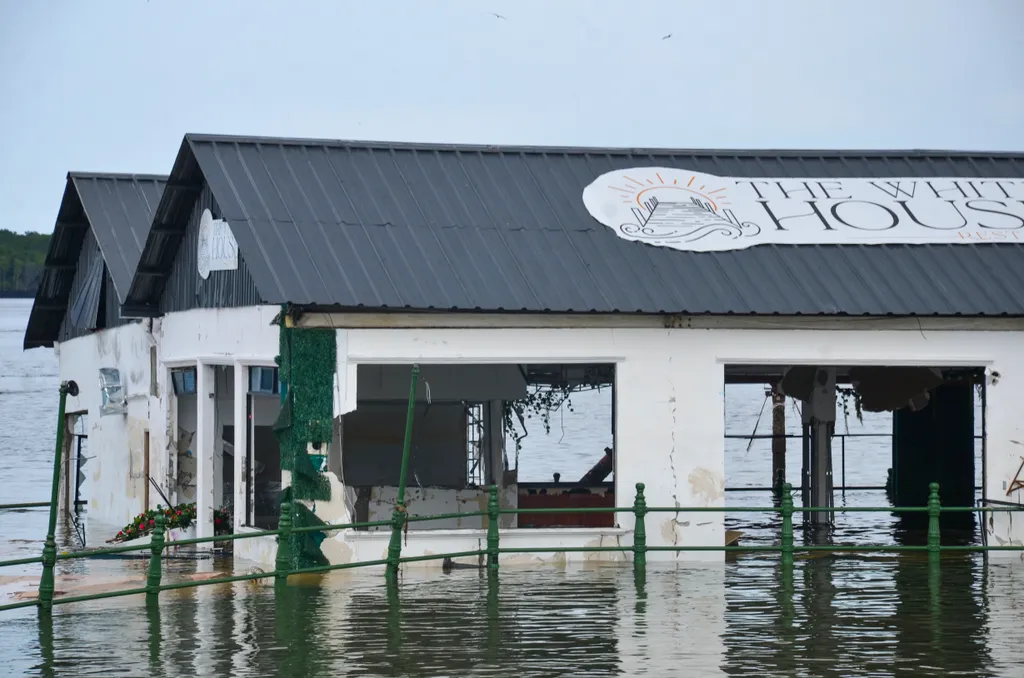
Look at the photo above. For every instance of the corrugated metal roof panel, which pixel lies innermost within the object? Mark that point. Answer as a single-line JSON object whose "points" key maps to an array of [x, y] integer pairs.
{"points": [[412, 226], [120, 211]]}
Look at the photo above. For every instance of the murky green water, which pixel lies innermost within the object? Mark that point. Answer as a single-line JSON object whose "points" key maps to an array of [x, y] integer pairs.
{"points": [[843, 617]]}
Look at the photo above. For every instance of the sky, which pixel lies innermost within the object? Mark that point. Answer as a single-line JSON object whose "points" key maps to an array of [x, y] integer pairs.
{"points": [[114, 85]]}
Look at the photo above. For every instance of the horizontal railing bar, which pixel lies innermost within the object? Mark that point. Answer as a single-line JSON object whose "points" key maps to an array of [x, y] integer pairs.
{"points": [[21, 561], [797, 488], [445, 516], [582, 509], [31, 504], [714, 509], [339, 566], [565, 549], [442, 556], [340, 526], [15, 606], [861, 509], [207, 540], [752, 549], [867, 548], [798, 436]]}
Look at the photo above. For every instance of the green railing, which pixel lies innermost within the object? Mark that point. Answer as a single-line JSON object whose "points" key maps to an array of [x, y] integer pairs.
{"points": [[400, 519], [493, 550]]}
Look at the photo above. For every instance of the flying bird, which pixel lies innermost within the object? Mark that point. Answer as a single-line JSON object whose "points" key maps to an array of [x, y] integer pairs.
{"points": [[667, 36], [498, 16]]}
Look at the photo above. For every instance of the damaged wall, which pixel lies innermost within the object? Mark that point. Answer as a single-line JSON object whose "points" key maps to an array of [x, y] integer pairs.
{"points": [[670, 392], [115, 484], [376, 503]]}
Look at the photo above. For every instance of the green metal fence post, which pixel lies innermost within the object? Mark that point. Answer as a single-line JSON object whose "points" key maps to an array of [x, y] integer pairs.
{"points": [[787, 524], [46, 581], [398, 516], [156, 552], [639, 530], [284, 546], [493, 521], [934, 534]]}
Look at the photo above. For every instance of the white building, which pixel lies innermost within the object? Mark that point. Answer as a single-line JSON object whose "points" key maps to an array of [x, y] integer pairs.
{"points": [[665, 272]]}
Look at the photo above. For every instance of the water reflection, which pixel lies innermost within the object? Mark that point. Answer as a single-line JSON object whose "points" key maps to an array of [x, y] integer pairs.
{"points": [[823, 616]]}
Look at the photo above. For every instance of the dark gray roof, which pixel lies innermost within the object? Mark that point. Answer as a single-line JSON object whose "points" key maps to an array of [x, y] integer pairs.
{"points": [[431, 227], [119, 210]]}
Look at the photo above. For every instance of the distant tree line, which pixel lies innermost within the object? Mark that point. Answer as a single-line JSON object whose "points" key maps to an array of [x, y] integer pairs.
{"points": [[21, 262]]}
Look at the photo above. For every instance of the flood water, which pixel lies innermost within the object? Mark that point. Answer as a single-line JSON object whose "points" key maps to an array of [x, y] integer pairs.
{"points": [[832, 616]]}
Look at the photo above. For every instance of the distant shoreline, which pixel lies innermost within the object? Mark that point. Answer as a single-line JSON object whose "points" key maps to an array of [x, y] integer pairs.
{"points": [[16, 294]]}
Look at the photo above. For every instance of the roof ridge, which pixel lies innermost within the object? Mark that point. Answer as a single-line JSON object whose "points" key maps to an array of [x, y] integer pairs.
{"points": [[117, 175], [602, 150]]}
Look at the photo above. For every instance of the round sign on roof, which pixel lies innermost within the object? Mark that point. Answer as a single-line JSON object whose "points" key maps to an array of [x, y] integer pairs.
{"points": [[216, 246], [664, 206]]}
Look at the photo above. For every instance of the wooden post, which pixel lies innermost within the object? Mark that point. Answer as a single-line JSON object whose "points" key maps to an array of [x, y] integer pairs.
{"points": [[778, 441], [145, 471]]}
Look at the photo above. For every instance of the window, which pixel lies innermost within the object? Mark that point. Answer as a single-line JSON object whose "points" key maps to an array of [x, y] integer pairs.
{"points": [[112, 397], [184, 381], [263, 380]]}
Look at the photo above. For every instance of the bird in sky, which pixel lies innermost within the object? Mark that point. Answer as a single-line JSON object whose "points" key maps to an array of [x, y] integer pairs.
{"points": [[667, 36], [498, 16]]}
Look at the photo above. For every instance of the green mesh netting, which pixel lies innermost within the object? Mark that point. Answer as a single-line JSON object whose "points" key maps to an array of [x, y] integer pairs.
{"points": [[305, 546], [307, 363]]}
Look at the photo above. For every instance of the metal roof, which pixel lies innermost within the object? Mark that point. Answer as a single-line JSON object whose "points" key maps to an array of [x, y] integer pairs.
{"points": [[119, 210], [378, 225]]}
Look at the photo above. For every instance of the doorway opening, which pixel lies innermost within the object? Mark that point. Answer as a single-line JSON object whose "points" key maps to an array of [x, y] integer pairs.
{"points": [[854, 436]]}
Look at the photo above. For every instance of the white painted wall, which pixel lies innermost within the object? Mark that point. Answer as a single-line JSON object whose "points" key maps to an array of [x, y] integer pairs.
{"points": [[115, 483], [670, 393]]}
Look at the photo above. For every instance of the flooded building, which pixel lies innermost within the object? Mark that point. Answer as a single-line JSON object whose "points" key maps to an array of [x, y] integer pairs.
{"points": [[515, 277]]}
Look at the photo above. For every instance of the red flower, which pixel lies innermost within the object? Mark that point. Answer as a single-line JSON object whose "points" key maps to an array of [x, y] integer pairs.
{"points": [[141, 526], [151, 523]]}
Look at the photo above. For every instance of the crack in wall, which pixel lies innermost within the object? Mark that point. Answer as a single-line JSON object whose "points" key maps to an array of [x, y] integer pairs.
{"points": [[672, 460]]}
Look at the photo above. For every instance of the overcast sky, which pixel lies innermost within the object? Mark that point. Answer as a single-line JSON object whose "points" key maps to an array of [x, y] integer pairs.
{"points": [[113, 85]]}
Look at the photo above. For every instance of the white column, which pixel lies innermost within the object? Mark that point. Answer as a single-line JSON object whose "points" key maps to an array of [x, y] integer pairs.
{"points": [[670, 435], [204, 449], [820, 413], [241, 442]]}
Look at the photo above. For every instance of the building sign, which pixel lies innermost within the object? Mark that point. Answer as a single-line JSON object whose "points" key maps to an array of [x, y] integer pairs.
{"points": [[698, 212], [217, 249]]}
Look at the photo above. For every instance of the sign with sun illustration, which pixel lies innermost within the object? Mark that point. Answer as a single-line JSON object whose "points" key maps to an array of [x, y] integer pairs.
{"points": [[687, 210]]}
